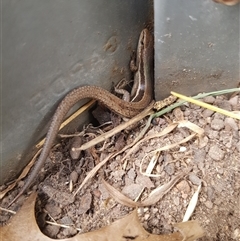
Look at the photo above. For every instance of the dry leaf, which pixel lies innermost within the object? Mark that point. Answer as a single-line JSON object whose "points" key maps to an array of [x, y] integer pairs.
{"points": [[154, 196], [160, 191], [23, 226], [191, 126], [22, 175], [192, 204]]}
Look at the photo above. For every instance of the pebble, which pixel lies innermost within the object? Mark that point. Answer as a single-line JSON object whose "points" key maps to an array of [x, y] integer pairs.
{"points": [[216, 153], [104, 192], [113, 166], [231, 123], [225, 105], [176, 201], [233, 101], [128, 181], [154, 221], [53, 210], [86, 201], [63, 198], [194, 179], [74, 176], [236, 234], [69, 231], [210, 193], [66, 220], [208, 204], [167, 158], [209, 99], [118, 174], [154, 210], [207, 113], [144, 181], [185, 196], [131, 174], [199, 155], [183, 186], [132, 191], [146, 216], [213, 134], [170, 169], [203, 141], [217, 124], [219, 116], [52, 230]]}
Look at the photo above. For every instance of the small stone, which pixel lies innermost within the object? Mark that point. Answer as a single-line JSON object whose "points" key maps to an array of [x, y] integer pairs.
{"points": [[128, 181], [208, 204], [219, 116], [236, 234], [85, 204], [51, 230], [218, 201], [210, 193], [63, 198], [225, 105], [207, 113], [104, 192], [66, 220], [167, 158], [53, 210], [155, 210], [132, 191], [69, 231], [217, 124], [213, 134], [202, 121], [131, 174], [233, 101], [203, 141], [216, 153], [144, 181], [176, 201], [194, 179], [74, 176], [154, 221], [231, 124], [146, 216], [209, 99], [170, 169], [118, 175], [96, 193], [184, 196], [113, 166], [199, 155], [183, 186]]}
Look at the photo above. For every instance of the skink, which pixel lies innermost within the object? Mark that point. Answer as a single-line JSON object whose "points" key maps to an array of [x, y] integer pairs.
{"points": [[142, 95]]}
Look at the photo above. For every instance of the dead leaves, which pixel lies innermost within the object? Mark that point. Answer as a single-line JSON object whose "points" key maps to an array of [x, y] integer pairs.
{"points": [[153, 198], [23, 225]]}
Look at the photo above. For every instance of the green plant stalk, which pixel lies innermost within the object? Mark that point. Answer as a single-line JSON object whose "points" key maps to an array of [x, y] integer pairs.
{"points": [[199, 96]]}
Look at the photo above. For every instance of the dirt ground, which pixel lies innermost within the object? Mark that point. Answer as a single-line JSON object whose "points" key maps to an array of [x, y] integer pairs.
{"points": [[214, 160]]}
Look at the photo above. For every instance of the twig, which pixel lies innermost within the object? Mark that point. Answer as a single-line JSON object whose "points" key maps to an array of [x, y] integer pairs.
{"points": [[103, 137]]}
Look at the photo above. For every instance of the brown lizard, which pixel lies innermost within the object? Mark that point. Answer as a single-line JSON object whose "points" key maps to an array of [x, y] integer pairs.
{"points": [[142, 96]]}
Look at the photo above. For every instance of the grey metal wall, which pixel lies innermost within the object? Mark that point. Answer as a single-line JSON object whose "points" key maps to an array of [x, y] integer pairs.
{"points": [[196, 46], [48, 48]]}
